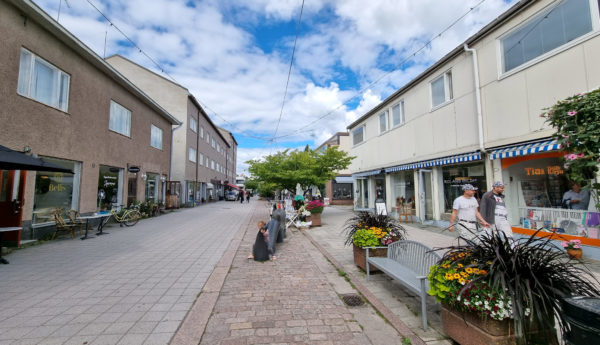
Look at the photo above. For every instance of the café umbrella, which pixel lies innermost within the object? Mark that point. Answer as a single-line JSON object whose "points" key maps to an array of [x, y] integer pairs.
{"points": [[14, 160]]}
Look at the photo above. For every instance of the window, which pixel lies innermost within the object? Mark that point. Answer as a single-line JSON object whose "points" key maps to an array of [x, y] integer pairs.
{"points": [[212, 142], [383, 121], [40, 80], [120, 119], [200, 158], [546, 31], [207, 138], [192, 154], [441, 89], [358, 135], [54, 189], [398, 117], [207, 162], [218, 148], [212, 164], [201, 132], [193, 124], [218, 167], [156, 137]]}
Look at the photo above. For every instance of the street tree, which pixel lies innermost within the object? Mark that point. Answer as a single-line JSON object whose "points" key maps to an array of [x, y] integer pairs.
{"points": [[285, 169]]}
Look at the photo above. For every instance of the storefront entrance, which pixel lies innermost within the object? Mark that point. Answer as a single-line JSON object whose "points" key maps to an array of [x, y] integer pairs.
{"points": [[425, 195], [12, 188], [110, 187], [131, 188]]}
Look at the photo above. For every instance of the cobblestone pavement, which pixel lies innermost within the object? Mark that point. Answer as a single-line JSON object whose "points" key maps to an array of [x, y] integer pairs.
{"points": [[289, 301], [132, 286]]}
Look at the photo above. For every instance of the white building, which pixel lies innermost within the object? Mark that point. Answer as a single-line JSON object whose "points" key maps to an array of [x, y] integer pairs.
{"points": [[473, 116]]}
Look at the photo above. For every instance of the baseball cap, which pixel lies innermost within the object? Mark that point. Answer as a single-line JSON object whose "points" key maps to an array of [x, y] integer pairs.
{"points": [[468, 187], [498, 184]]}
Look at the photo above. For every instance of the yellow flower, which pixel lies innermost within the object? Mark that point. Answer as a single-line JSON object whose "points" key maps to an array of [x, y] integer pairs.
{"points": [[462, 281], [461, 255], [463, 274], [449, 276], [445, 266], [469, 270], [476, 270], [456, 276], [460, 266]]}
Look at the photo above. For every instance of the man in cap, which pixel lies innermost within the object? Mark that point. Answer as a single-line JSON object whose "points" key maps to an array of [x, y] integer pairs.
{"points": [[465, 209], [493, 209]]}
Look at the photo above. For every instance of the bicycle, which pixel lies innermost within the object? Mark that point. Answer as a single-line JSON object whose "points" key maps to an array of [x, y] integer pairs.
{"points": [[129, 217]]}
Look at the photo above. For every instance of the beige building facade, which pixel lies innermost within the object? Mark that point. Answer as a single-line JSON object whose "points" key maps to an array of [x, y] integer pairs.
{"points": [[201, 153], [474, 117], [63, 103]]}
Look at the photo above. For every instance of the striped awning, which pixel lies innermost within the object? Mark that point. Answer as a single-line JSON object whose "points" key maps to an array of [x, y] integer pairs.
{"points": [[367, 173], [461, 158], [344, 179], [525, 149]]}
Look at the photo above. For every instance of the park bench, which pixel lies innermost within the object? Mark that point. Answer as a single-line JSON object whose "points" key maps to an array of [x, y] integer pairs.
{"points": [[407, 262]]}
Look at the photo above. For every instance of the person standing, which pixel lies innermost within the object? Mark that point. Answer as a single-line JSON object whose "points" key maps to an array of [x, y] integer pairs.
{"points": [[576, 199], [241, 196], [248, 197], [465, 209], [493, 209]]}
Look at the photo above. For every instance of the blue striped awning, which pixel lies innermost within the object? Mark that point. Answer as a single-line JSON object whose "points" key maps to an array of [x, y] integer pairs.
{"points": [[461, 158], [525, 149], [367, 173]]}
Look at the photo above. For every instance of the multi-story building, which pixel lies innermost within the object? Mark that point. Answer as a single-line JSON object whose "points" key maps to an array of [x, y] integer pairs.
{"points": [[473, 117], [230, 158], [339, 191], [199, 154], [65, 104]]}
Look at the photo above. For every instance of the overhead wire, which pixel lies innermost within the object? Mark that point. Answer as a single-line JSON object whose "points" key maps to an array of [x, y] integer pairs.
{"points": [[289, 71]]}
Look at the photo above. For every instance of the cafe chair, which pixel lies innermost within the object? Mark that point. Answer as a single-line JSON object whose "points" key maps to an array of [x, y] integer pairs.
{"points": [[74, 219], [61, 225]]}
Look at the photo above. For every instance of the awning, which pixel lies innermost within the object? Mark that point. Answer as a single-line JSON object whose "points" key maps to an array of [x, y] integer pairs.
{"points": [[344, 179], [233, 186], [367, 173], [209, 185], [461, 158], [14, 160], [525, 149]]}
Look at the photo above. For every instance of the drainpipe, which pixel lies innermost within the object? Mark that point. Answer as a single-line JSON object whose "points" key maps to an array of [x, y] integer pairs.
{"points": [[477, 96]]}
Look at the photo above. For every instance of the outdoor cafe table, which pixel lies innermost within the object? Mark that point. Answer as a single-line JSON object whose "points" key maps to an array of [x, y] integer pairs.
{"points": [[100, 216], [3, 230]]}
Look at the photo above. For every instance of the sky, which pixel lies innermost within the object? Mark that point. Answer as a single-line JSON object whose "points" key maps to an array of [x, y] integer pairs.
{"points": [[234, 55]]}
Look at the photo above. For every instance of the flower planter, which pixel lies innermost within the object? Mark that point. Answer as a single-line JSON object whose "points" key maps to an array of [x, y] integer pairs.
{"points": [[469, 329], [315, 218], [575, 253], [360, 257]]}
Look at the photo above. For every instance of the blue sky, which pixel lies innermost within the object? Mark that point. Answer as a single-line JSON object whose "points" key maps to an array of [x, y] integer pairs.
{"points": [[234, 56]]}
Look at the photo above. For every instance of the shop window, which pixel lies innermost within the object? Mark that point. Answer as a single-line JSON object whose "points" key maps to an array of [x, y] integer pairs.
{"points": [[109, 184], [441, 89], [42, 81], [341, 191], [362, 193], [548, 30], [120, 119], [55, 190], [456, 176], [156, 136], [152, 187], [403, 188]]}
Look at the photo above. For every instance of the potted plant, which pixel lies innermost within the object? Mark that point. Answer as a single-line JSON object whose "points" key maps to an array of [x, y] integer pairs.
{"points": [[315, 207], [573, 248], [366, 229], [496, 290]]}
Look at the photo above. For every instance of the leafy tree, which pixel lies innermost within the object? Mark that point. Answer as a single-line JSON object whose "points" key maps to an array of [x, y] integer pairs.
{"points": [[284, 169], [577, 123]]}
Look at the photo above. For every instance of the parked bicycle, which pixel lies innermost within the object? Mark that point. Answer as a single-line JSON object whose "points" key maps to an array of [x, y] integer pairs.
{"points": [[129, 216]]}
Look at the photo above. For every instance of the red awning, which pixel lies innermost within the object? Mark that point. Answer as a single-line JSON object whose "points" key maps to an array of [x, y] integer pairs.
{"points": [[233, 186]]}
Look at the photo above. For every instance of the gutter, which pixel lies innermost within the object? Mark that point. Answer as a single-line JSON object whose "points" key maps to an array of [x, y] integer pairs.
{"points": [[477, 95]]}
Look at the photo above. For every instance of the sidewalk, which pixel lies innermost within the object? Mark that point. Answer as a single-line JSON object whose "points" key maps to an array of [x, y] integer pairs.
{"points": [[294, 300]]}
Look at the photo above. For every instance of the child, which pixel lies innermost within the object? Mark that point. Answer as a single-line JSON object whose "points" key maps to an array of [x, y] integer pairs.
{"points": [[260, 251]]}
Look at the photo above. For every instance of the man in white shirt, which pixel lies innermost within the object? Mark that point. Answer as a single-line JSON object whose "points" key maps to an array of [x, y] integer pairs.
{"points": [[465, 209], [576, 199]]}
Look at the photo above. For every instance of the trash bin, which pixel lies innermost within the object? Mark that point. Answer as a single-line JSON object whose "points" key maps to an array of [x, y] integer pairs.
{"points": [[583, 316]]}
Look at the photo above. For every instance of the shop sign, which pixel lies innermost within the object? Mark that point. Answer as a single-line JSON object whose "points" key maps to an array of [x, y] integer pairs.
{"points": [[134, 169], [110, 181], [549, 170], [459, 181], [58, 187]]}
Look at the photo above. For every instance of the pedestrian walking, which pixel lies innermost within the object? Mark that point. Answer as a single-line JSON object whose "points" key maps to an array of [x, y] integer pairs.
{"points": [[465, 208], [241, 196], [493, 210], [248, 197]]}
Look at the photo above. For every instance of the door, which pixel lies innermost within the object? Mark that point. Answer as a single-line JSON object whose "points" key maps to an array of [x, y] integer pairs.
{"points": [[12, 190], [425, 194], [131, 188]]}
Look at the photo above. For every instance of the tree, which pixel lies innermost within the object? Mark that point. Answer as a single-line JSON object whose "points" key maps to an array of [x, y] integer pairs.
{"points": [[577, 123], [284, 169]]}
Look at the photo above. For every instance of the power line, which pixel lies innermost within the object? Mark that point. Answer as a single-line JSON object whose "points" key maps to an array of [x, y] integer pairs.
{"points": [[378, 79], [289, 70]]}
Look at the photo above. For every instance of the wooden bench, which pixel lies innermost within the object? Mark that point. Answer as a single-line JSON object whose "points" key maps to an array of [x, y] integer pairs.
{"points": [[407, 262]]}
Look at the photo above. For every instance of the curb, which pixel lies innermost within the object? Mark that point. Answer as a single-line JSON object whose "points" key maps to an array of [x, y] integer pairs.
{"points": [[192, 328], [375, 302]]}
